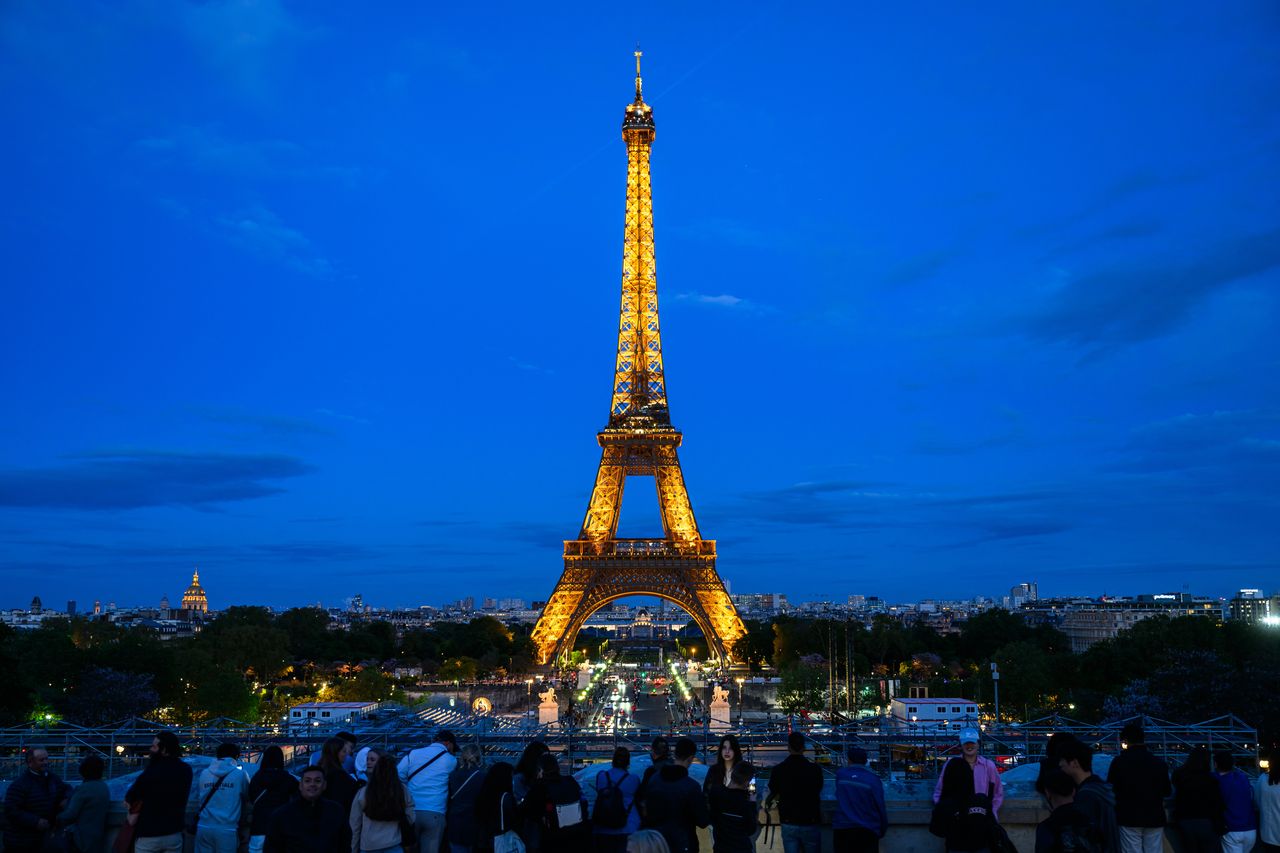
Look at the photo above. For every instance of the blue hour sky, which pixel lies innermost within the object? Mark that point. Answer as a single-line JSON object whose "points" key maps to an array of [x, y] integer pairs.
{"points": [[322, 297]]}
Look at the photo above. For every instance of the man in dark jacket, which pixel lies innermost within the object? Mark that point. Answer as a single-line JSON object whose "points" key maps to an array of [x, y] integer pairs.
{"points": [[1141, 783], [672, 803], [1067, 829], [32, 803], [1093, 796], [309, 823], [796, 784], [161, 790]]}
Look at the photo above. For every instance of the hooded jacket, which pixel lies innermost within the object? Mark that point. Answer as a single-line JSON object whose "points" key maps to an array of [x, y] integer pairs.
{"points": [[226, 786], [673, 804], [1096, 800]]}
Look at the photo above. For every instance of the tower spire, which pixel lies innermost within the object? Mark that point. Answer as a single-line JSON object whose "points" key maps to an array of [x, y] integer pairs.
{"points": [[639, 86]]}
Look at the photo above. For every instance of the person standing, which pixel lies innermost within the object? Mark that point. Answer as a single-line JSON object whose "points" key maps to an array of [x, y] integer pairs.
{"points": [[220, 800], [32, 802], [269, 789], [1266, 799], [1067, 829], [496, 811], [1141, 784], [85, 816], [556, 801], [308, 823], [963, 816], [523, 781], [861, 819], [426, 771], [796, 785], [986, 776], [161, 793], [339, 785], [734, 811], [380, 811], [1093, 796], [1237, 805], [673, 804], [1197, 804], [616, 816], [461, 827], [728, 756]]}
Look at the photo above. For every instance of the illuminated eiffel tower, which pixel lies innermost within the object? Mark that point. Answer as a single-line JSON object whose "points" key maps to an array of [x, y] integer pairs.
{"points": [[638, 441]]}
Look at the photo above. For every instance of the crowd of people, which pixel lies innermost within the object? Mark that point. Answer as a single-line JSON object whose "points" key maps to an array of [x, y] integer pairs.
{"points": [[440, 798]]}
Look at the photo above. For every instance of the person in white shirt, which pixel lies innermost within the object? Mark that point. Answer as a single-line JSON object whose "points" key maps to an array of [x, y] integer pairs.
{"points": [[425, 771], [219, 798]]}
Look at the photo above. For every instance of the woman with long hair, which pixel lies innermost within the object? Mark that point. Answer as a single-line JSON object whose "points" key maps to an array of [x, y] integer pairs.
{"points": [[338, 784], [495, 805], [1197, 803], [269, 789], [380, 811], [1266, 799], [556, 803], [728, 756], [522, 785], [461, 827]]}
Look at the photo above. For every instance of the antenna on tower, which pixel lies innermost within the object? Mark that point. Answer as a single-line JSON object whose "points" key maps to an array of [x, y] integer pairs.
{"points": [[639, 53]]}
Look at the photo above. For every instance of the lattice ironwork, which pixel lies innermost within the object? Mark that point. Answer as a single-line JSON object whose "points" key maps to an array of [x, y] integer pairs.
{"points": [[638, 441]]}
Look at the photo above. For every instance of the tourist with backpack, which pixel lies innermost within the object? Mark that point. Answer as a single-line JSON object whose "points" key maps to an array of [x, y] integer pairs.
{"points": [[556, 803], [616, 817], [963, 816]]}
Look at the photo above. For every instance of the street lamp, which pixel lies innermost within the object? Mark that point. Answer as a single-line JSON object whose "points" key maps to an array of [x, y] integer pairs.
{"points": [[739, 680]]}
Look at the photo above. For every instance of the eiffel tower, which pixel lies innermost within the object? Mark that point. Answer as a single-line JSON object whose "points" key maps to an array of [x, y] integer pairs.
{"points": [[638, 441]]}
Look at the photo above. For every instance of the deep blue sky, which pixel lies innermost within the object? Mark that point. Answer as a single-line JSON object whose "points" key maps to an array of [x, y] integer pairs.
{"points": [[322, 297]]}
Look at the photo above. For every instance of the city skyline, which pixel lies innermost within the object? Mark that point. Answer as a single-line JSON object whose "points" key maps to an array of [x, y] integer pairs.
{"points": [[318, 300]]}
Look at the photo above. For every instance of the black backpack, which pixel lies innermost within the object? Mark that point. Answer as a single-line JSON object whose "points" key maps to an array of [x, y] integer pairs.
{"points": [[610, 812]]}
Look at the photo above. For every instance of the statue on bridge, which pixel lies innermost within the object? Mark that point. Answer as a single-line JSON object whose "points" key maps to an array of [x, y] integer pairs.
{"points": [[548, 698], [719, 694]]}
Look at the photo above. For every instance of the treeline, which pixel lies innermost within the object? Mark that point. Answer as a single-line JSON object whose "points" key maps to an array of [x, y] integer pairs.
{"points": [[246, 664], [1186, 669]]}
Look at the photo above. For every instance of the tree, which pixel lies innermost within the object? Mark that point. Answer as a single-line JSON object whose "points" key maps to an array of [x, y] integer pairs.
{"points": [[368, 685], [1025, 675], [104, 695], [459, 669], [802, 688], [308, 632]]}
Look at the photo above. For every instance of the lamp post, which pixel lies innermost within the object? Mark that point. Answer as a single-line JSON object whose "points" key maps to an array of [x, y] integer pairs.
{"points": [[528, 697], [995, 683], [740, 716]]}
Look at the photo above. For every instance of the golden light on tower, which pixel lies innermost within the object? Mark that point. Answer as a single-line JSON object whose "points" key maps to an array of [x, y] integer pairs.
{"points": [[638, 440]]}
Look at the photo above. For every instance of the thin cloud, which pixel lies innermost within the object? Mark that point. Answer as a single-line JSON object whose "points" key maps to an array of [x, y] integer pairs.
{"points": [[148, 478], [1115, 307], [724, 300], [260, 231], [261, 423]]}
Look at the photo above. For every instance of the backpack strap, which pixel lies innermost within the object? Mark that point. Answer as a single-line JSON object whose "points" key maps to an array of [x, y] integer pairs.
{"points": [[424, 766], [213, 790], [464, 783]]}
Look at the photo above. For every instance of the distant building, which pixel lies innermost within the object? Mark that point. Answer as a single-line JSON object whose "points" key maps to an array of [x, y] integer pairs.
{"points": [[71, 607], [194, 599], [36, 606], [934, 713], [1087, 623], [1251, 606], [326, 714]]}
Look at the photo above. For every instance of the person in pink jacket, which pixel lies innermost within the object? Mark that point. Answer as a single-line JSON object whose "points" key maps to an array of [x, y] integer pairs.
{"points": [[986, 777]]}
